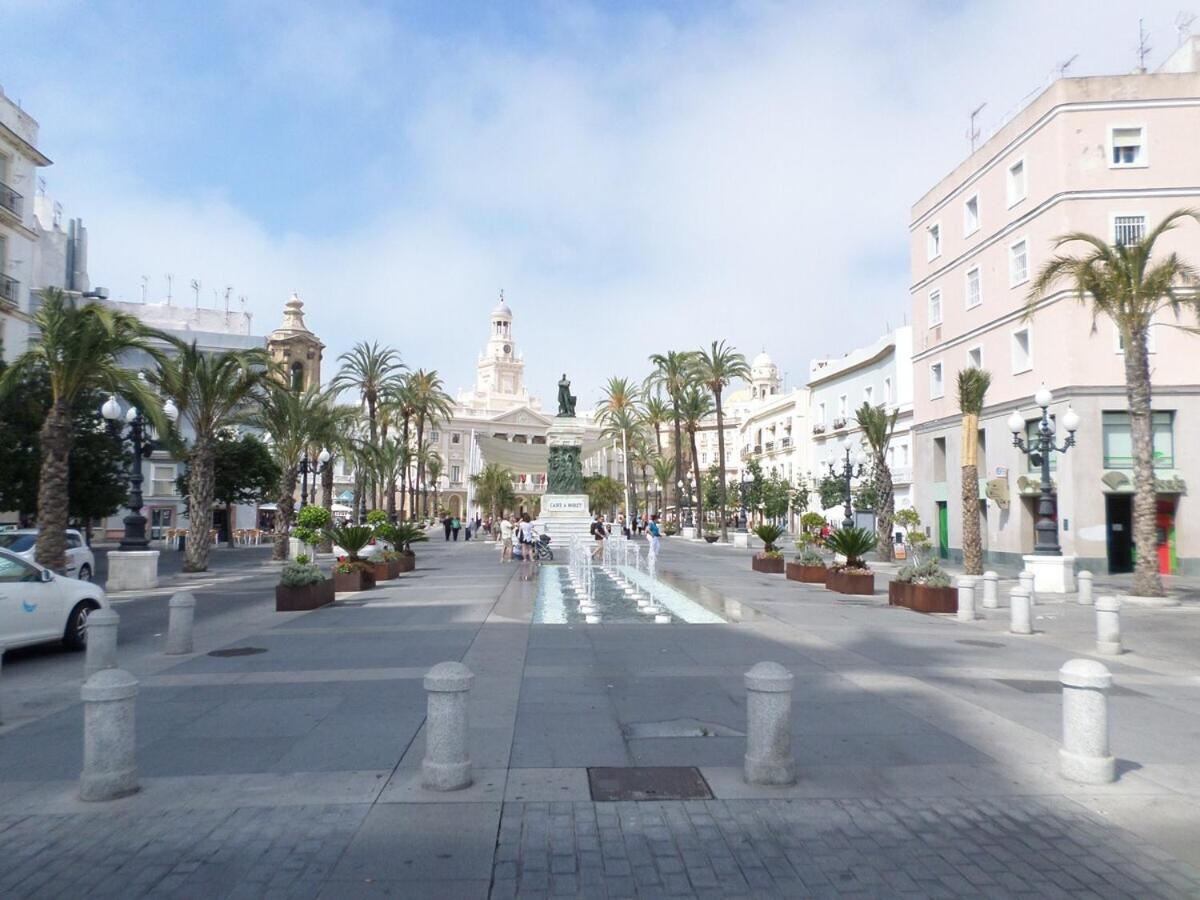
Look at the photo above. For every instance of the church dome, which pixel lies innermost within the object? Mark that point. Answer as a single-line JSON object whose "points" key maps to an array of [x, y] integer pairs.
{"points": [[501, 310], [762, 361]]}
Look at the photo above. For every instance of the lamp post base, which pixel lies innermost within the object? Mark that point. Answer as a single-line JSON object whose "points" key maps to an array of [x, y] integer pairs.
{"points": [[135, 570], [741, 539], [1052, 574]]}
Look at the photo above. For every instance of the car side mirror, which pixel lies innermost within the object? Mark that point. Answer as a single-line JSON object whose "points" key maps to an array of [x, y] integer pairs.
{"points": [[47, 576]]}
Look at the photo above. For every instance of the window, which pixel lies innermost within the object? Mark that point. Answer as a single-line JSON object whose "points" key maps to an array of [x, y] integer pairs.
{"points": [[1128, 147], [1128, 230], [1017, 187], [455, 474], [1022, 351], [887, 390], [1118, 440], [939, 459], [975, 358], [821, 420], [433, 436], [974, 288], [456, 437], [1018, 263], [937, 381], [971, 215], [869, 395], [933, 240], [1031, 438], [162, 481], [935, 308], [842, 406]]}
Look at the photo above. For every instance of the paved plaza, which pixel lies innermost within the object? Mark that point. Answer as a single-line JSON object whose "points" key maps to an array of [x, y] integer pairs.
{"points": [[926, 749]]}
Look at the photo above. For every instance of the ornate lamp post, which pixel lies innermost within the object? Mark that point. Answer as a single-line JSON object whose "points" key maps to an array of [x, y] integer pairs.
{"points": [[1038, 450], [851, 469], [134, 537], [316, 467]]}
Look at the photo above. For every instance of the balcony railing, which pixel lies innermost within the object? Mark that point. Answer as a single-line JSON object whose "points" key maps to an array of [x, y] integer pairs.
{"points": [[529, 487], [901, 474], [10, 200], [819, 428], [839, 422], [9, 291], [769, 446], [785, 443]]}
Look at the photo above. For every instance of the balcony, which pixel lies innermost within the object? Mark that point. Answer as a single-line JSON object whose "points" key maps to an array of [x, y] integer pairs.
{"points": [[10, 291], [769, 446], [901, 474], [529, 487], [785, 443], [819, 428], [10, 201], [839, 422]]}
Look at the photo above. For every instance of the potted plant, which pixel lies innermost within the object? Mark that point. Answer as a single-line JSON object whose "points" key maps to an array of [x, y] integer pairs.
{"points": [[402, 537], [302, 586], [925, 588], [710, 533], [352, 573], [670, 529], [769, 559], [853, 576], [310, 522], [807, 565]]}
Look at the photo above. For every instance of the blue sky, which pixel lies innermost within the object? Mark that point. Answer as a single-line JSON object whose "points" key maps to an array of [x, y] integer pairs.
{"points": [[636, 176]]}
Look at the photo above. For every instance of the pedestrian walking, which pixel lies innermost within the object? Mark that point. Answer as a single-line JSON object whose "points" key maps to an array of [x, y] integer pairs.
{"points": [[455, 527], [446, 525], [599, 533], [653, 535]]}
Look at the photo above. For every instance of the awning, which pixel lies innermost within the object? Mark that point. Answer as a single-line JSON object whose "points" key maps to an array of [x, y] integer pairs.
{"points": [[346, 496], [527, 457], [340, 508]]}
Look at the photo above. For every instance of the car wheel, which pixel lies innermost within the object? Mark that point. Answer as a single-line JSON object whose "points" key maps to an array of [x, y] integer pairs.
{"points": [[85, 572], [75, 636]]}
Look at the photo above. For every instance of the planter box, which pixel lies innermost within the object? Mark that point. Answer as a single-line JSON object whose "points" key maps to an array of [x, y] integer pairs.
{"points": [[358, 580], [766, 564], [932, 599], [385, 571], [310, 596], [807, 574], [711, 538], [406, 564], [899, 594], [844, 583]]}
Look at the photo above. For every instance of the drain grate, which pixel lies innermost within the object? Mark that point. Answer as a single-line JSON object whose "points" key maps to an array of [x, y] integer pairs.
{"points": [[971, 643], [648, 783], [1033, 686], [238, 651]]}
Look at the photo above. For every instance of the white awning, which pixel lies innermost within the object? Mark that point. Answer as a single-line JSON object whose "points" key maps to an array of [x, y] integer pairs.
{"points": [[527, 457], [340, 508]]}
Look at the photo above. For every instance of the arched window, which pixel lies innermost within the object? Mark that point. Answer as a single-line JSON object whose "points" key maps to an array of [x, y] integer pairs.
{"points": [[297, 376]]}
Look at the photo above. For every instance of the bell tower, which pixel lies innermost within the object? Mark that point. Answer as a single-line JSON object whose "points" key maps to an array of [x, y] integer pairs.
{"points": [[295, 348], [500, 371]]}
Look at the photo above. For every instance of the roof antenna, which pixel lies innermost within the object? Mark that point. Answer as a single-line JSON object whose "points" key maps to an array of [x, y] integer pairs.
{"points": [[1143, 49], [1063, 66], [1183, 26], [170, 278], [972, 130], [196, 290]]}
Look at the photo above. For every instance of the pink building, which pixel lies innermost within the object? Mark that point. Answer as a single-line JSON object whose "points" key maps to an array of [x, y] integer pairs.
{"points": [[1108, 155]]}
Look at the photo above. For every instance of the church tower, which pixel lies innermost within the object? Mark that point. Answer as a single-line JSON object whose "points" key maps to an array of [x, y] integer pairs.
{"points": [[296, 348]]}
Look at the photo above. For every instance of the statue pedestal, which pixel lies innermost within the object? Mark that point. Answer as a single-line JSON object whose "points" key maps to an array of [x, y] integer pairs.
{"points": [[564, 511]]}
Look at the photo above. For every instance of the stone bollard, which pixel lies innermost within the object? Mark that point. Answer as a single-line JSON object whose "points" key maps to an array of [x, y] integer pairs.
{"points": [[447, 763], [1108, 625], [180, 617], [1085, 588], [1020, 616], [101, 641], [1026, 581], [991, 590], [769, 725], [966, 599], [1084, 755], [109, 767]]}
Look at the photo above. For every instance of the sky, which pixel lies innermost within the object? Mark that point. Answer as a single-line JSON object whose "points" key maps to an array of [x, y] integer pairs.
{"points": [[636, 176]]}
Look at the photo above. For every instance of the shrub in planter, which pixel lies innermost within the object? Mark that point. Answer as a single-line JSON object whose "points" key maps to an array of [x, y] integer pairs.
{"points": [[769, 559], [402, 537], [302, 586], [924, 588], [807, 565], [853, 576], [670, 529], [711, 534], [353, 576]]}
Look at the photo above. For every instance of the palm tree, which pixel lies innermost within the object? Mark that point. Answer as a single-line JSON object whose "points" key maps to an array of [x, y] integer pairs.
{"points": [[211, 391], [334, 429], [973, 384], [79, 350], [877, 429], [618, 413], [287, 416], [664, 474], [655, 414], [433, 466], [402, 407], [1123, 284], [641, 453], [493, 489], [372, 372], [672, 373], [694, 407], [718, 367], [431, 405]]}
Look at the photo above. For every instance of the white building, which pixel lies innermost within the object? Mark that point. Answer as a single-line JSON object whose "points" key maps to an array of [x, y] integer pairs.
{"points": [[878, 374], [19, 161]]}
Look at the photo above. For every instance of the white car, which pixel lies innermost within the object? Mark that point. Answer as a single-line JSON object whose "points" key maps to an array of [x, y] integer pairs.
{"points": [[81, 563], [367, 552], [37, 606]]}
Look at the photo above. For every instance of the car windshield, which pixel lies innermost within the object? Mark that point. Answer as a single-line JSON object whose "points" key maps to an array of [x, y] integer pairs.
{"points": [[17, 543]]}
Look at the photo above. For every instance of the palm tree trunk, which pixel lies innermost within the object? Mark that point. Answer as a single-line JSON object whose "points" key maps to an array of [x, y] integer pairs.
{"points": [[721, 463], [698, 521], [200, 506], [886, 511], [283, 514], [53, 495], [404, 488], [1146, 580], [678, 453], [972, 542], [326, 545]]}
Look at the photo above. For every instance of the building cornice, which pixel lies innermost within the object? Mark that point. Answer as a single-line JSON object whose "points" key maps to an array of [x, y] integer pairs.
{"points": [[24, 147]]}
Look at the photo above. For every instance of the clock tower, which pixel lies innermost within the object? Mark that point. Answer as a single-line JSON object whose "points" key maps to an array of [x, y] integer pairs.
{"points": [[500, 371]]}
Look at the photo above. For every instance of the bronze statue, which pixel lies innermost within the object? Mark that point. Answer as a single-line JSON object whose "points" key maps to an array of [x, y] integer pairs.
{"points": [[566, 400]]}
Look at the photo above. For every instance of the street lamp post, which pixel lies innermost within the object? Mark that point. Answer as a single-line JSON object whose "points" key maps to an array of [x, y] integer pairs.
{"points": [[746, 484], [143, 445], [850, 471], [316, 467], [1038, 450]]}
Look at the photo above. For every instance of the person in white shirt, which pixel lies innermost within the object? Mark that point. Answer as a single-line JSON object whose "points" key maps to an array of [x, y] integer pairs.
{"points": [[506, 540]]}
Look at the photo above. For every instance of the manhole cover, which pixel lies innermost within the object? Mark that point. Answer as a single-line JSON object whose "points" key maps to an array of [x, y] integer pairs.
{"points": [[980, 643], [238, 651], [1031, 686], [648, 783]]}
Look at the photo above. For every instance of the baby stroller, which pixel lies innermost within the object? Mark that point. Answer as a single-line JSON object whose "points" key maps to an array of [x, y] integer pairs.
{"points": [[541, 547]]}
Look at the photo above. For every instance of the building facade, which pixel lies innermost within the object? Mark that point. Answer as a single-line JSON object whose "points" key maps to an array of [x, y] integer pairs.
{"points": [[1106, 155], [879, 374]]}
